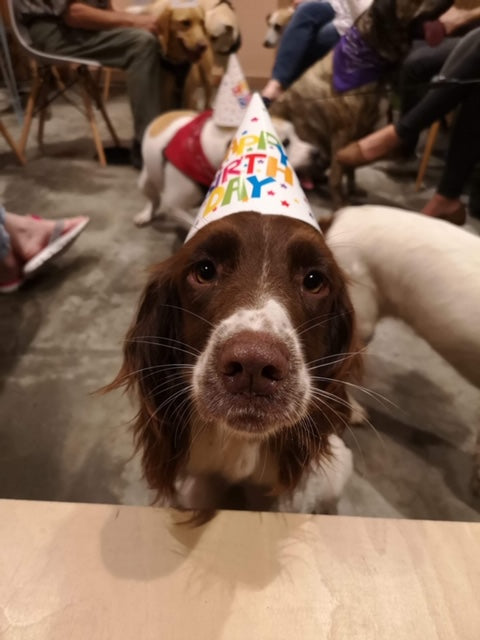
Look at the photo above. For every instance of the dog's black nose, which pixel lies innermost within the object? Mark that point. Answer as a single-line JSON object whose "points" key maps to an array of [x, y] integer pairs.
{"points": [[252, 363]]}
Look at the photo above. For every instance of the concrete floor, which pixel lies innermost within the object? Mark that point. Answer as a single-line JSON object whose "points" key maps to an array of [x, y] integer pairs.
{"points": [[60, 340]]}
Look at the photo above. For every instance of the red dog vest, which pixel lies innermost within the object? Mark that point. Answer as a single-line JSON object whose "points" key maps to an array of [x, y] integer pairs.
{"points": [[185, 152]]}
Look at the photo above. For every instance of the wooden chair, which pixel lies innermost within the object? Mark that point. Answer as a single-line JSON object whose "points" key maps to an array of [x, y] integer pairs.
{"points": [[432, 136], [47, 85], [12, 144]]}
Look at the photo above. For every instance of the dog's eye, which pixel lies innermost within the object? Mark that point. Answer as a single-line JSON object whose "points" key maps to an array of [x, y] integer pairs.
{"points": [[186, 23], [286, 143], [205, 271], [313, 282], [277, 28]]}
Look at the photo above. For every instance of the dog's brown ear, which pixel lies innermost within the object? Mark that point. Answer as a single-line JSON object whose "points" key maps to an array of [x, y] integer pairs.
{"points": [[152, 369], [163, 26], [267, 18]]}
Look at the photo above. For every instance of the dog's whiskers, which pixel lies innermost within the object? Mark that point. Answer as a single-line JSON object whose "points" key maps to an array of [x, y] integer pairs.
{"points": [[327, 318], [326, 360], [374, 395], [192, 313], [169, 384], [155, 369], [166, 342], [349, 405]]}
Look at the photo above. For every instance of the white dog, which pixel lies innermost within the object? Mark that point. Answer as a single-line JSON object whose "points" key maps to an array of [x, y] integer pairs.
{"points": [[172, 193], [424, 271]]}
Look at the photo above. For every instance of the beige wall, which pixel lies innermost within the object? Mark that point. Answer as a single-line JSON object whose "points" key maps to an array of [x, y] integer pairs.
{"points": [[255, 59]]}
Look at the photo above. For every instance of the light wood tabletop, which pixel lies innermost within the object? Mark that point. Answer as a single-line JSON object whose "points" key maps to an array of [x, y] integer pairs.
{"points": [[75, 571]]}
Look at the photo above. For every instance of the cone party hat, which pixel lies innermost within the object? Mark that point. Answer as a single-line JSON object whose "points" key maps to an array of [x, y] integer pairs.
{"points": [[255, 175], [232, 96]]}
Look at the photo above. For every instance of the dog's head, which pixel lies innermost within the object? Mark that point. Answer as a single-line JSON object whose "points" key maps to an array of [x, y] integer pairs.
{"points": [[276, 23], [248, 328], [222, 27], [182, 33], [301, 154]]}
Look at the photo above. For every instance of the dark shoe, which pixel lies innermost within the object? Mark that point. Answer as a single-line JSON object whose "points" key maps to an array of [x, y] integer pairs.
{"points": [[474, 202], [458, 216], [136, 159], [117, 156], [267, 101]]}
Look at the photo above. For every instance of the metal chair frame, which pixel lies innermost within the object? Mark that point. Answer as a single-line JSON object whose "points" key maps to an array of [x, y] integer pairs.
{"points": [[46, 78]]}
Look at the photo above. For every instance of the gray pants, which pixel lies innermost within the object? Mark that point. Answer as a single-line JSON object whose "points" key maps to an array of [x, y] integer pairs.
{"points": [[4, 237], [135, 51]]}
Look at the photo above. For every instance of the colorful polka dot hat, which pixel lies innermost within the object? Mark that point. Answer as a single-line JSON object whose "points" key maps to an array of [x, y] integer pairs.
{"points": [[256, 175], [232, 97]]}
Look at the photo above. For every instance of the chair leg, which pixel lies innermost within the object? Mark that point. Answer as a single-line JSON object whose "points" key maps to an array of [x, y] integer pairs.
{"points": [[432, 135], [41, 128], [31, 104], [94, 91], [107, 81], [12, 144], [93, 125]]}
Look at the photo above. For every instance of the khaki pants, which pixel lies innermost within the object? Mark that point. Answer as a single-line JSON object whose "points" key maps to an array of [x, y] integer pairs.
{"points": [[135, 51]]}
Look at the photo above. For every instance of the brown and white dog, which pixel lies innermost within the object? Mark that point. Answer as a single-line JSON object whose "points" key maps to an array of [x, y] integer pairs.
{"points": [[276, 23], [329, 119], [224, 36], [238, 357], [172, 194], [203, 34], [421, 270]]}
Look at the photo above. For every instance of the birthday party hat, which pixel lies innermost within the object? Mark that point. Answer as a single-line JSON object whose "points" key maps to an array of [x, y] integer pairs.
{"points": [[232, 97], [256, 175]]}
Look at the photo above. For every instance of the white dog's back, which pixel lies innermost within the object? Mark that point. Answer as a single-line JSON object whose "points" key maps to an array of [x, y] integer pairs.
{"points": [[424, 271]]}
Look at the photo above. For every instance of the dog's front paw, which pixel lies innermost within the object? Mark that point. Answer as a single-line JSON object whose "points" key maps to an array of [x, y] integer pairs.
{"points": [[143, 217]]}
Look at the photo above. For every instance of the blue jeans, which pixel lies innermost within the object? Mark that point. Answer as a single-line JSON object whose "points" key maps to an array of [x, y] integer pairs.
{"points": [[309, 36]]}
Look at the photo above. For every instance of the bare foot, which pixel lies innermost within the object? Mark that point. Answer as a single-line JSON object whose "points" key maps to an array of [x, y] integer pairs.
{"points": [[29, 235]]}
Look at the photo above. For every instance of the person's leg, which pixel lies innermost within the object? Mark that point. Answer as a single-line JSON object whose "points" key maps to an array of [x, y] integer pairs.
{"points": [[327, 38], [297, 45], [462, 64], [420, 65], [462, 155], [135, 51], [10, 270]]}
